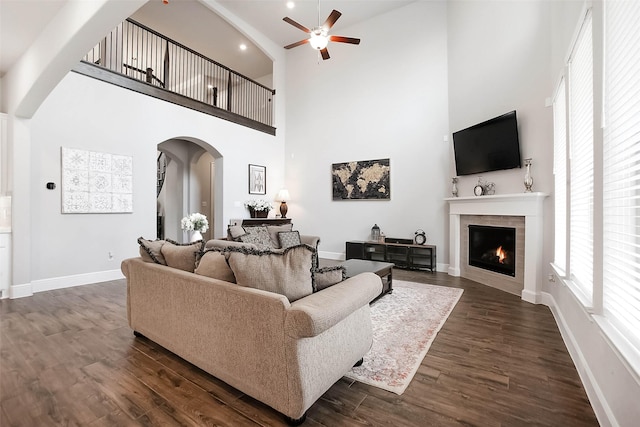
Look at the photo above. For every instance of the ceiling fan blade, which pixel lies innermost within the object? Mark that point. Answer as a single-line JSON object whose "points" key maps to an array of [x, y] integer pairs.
{"points": [[341, 39], [325, 54], [295, 24], [331, 19], [300, 43]]}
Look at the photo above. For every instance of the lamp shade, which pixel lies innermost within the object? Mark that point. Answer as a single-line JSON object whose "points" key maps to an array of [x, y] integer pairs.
{"points": [[283, 195]]}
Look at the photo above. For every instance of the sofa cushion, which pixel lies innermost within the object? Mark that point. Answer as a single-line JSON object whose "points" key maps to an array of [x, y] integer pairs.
{"points": [[151, 250], [235, 232], [287, 272], [274, 230], [258, 236], [328, 276], [289, 238], [181, 255], [213, 263]]}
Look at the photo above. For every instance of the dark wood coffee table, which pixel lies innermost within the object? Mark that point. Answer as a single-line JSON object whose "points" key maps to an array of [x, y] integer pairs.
{"points": [[382, 269]]}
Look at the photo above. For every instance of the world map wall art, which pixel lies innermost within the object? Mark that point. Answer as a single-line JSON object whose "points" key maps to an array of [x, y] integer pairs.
{"points": [[366, 179], [94, 182]]}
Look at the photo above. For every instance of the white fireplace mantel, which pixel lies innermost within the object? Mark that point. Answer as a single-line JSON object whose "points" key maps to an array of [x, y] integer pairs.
{"points": [[528, 205]]}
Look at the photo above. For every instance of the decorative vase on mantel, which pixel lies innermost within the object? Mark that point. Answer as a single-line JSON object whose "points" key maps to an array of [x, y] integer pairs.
{"points": [[258, 214], [528, 180]]}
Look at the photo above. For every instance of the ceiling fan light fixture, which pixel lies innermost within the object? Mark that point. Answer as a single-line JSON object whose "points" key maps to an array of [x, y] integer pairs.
{"points": [[319, 39]]}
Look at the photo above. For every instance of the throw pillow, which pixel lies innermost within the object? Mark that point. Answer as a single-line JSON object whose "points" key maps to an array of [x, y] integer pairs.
{"points": [[234, 232], [258, 236], [289, 238], [181, 255], [287, 273], [213, 264], [274, 230], [151, 250], [328, 276]]}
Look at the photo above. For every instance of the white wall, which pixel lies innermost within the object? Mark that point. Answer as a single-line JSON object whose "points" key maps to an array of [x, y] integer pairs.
{"points": [[85, 113], [386, 98]]}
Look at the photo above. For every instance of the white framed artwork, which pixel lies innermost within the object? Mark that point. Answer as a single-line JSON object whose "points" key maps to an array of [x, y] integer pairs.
{"points": [[95, 182]]}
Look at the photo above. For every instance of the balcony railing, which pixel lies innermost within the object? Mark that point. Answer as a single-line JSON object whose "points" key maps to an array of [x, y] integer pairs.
{"points": [[140, 53]]}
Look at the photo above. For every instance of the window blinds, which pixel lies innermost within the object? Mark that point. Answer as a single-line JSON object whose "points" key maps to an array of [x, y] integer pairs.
{"points": [[581, 160], [621, 163], [560, 176]]}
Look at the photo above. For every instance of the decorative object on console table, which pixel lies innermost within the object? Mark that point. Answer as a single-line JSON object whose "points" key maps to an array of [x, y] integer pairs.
{"points": [[283, 198], [196, 224], [375, 233], [528, 181], [258, 208], [257, 179]]}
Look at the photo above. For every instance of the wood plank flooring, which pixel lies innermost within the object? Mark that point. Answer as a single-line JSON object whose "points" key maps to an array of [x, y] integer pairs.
{"points": [[68, 358]]}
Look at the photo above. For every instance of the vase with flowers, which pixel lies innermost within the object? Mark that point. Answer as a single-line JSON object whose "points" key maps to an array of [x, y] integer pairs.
{"points": [[258, 208], [196, 224]]}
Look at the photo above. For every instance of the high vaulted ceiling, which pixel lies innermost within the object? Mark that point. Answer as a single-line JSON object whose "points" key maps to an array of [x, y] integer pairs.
{"points": [[193, 24]]}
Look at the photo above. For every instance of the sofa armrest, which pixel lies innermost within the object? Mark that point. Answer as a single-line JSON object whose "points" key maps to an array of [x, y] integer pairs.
{"points": [[312, 241], [314, 314]]}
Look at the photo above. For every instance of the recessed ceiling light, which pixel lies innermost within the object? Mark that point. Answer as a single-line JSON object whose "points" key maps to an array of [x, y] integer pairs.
{"points": [[243, 46], [291, 4]]}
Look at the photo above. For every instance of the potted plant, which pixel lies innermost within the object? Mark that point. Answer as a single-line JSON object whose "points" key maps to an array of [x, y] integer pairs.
{"points": [[258, 208], [196, 223]]}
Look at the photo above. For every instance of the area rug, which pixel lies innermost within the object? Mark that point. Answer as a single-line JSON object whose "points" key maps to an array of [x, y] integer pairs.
{"points": [[405, 323]]}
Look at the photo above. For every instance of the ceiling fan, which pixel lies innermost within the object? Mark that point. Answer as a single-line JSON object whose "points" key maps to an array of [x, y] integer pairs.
{"points": [[319, 36]]}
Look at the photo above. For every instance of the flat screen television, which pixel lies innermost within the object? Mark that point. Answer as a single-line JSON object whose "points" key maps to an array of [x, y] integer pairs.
{"points": [[488, 146]]}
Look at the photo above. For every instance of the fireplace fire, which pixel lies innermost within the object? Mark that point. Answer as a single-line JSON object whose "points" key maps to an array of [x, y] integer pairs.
{"points": [[493, 248]]}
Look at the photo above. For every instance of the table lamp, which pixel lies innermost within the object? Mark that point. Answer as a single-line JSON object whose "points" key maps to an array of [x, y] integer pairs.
{"points": [[283, 196]]}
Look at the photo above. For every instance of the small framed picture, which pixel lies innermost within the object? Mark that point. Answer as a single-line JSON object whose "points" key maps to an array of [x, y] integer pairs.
{"points": [[257, 179]]}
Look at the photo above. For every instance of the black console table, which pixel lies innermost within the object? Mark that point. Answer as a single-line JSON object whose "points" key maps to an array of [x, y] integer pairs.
{"points": [[404, 255], [260, 221]]}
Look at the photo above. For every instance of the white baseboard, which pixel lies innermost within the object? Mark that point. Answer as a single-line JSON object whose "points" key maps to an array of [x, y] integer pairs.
{"points": [[596, 396], [20, 291], [75, 280]]}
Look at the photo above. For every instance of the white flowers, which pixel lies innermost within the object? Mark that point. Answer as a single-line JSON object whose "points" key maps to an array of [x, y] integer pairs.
{"points": [[258, 205], [195, 222]]}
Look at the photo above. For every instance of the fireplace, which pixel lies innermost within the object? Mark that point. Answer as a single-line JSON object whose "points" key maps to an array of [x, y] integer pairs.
{"points": [[493, 248]]}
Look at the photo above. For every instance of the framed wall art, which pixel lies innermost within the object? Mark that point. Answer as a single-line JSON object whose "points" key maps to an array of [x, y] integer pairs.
{"points": [[361, 180], [257, 179], [95, 182]]}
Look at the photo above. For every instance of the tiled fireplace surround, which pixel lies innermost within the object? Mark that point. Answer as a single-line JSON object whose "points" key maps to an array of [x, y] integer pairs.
{"points": [[521, 211]]}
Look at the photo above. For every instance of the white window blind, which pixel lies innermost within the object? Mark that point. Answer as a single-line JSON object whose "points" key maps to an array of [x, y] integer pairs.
{"points": [[560, 176], [581, 161], [621, 163]]}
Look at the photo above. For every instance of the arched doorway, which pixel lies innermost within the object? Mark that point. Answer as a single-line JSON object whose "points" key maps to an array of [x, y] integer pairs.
{"points": [[192, 183]]}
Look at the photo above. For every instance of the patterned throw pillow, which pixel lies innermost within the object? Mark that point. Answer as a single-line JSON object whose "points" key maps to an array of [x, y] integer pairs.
{"points": [[259, 236], [151, 250], [289, 239], [274, 230]]}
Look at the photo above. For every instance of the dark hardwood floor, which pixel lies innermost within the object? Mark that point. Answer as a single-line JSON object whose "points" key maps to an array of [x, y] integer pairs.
{"points": [[68, 358]]}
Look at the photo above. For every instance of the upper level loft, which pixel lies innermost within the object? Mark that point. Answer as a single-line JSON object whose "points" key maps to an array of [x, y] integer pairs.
{"points": [[136, 57]]}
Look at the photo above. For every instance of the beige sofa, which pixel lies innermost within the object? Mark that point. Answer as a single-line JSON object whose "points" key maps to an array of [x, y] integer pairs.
{"points": [[283, 354]]}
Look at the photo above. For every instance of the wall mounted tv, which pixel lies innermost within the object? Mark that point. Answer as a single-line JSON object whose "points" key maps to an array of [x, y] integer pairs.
{"points": [[488, 146]]}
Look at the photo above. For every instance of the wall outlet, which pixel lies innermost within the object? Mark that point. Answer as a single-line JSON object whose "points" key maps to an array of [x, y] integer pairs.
{"points": [[552, 278]]}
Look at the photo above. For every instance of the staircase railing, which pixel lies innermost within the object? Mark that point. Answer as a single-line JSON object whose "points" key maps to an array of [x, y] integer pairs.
{"points": [[143, 54], [162, 171]]}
